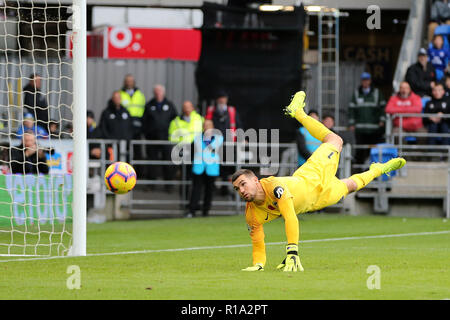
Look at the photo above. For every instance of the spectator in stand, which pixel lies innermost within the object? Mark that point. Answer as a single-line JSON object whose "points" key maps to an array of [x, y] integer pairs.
{"points": [[115, 121], [438, 56], [226, 119], [224, 116], [366, 116], [28, 125], [91, 124], [406, 101], [53, 127], [92, 133], [34, 101], [67, 131], [328, 121], [440, 14], [28, 158], [186, 127], [133, 100], [159, 112], [4, 158], [421, 76], [447, 86], [436, 124], [306, 143], [205, 169]]}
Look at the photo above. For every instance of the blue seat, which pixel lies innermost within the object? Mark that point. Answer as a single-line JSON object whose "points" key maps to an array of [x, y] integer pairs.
{"points": [[410, 139], [443, 29], [388, 152], [424, 101]]}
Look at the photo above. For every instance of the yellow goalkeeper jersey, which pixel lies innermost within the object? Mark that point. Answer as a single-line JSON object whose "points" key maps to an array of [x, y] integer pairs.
{"points": [[312, 187]]}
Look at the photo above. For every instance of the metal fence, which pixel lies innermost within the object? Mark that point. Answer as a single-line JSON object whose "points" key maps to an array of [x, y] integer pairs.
{"points": [[147, 199]]}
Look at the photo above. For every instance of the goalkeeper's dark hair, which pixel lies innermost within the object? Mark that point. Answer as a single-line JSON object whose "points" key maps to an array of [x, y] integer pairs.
{"points": [[240, 172]]}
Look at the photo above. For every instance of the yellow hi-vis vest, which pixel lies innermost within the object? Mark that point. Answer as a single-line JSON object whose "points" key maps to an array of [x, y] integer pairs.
{"points": [[183, 131], [135, 104]]}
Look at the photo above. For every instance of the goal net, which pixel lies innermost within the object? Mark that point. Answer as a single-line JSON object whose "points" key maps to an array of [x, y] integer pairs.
{"points": [[37, 128]]}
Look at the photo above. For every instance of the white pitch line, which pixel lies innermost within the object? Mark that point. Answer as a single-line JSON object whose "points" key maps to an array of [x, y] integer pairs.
{"points": [[235, 246]]}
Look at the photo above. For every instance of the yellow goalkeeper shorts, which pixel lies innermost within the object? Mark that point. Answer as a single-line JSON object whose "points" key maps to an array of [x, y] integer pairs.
{"points": [[320, 171]]}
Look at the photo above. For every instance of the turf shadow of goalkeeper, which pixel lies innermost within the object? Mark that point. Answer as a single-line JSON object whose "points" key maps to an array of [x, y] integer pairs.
{"points": [[313, 186]]}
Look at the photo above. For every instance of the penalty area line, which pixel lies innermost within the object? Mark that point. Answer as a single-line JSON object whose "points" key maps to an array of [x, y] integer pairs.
{"points": [[381, 236]]}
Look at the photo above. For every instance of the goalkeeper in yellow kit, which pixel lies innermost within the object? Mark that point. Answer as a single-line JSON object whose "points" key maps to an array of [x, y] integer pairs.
{"points": [[312, 187]]}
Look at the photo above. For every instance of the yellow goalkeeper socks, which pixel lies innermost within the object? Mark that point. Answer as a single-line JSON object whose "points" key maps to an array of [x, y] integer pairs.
{"points": [[364, 178], [314, 127]]}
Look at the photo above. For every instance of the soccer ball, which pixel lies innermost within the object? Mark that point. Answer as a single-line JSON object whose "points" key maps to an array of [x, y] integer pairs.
{"points": [[120, 177]]}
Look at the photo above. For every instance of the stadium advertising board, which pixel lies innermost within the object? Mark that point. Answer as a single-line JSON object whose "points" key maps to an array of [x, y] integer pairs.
{"points": [[31, 199]]}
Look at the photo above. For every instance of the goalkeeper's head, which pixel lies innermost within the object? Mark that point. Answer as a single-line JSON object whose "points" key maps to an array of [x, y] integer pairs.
{"points": [[246, 184]]}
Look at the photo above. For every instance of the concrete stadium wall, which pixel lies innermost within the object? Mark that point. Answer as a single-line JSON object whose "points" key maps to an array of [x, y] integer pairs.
{"points": [[105, 76]]}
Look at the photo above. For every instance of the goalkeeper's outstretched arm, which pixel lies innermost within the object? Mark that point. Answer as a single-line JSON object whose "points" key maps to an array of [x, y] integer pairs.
{"points": [[259, 248]]}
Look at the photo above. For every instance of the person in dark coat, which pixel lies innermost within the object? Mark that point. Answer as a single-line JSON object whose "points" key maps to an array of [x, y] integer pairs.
{"points": [[34, 101], [115, 121], [438, 105], [223, 115], [28, 158], [92, 133], [159, 112], [421, 76]]}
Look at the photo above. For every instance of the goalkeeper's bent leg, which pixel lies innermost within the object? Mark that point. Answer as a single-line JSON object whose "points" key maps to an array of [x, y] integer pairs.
{"points": [[314, 127], [318, 130], [296, 110], [360, 180]]}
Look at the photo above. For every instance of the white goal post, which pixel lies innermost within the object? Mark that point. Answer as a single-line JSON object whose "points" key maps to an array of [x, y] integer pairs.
{"points": [[79, 125], [43, 146]]}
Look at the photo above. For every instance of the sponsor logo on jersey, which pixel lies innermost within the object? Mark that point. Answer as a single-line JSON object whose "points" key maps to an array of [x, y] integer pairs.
{"points": [[278, 192]]}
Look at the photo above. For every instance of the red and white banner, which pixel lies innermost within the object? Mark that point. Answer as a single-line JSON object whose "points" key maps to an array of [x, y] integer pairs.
{"points": [[144, 43]]}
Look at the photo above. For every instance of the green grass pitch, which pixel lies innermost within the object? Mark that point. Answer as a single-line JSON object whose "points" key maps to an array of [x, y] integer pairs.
{"points": [[411, 267]]}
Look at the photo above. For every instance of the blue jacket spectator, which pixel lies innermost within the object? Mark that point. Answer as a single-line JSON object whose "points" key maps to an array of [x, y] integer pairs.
{"points": [[438, 56], [206, 160], [29, 126], [205, 168]]}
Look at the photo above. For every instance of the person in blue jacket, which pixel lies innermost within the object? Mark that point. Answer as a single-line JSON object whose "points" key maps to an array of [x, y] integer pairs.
{"points": [[29, 125], [438, 56], [205, 168], [306, 143]]}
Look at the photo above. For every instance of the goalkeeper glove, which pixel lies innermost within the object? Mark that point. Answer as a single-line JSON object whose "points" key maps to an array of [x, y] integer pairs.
{"points": [[256, 267], [292, 261]]}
